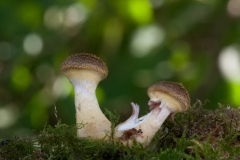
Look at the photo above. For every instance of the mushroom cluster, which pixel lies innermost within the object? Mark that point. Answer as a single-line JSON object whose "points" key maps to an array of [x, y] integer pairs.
{"points": [[166, 99], [85, 71]]}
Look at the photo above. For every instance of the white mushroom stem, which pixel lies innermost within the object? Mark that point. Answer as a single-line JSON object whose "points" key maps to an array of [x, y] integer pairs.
{"points": [[88, 112], [163, 113], [144, 128]]}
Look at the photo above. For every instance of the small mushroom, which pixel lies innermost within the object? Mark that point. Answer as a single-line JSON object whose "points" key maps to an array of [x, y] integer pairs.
{"points": [[166, 99], [85, 71]]}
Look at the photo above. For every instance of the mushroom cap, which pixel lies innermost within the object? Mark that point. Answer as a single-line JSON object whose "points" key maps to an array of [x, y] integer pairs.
{"points": [[174, 90], [85, 61]]}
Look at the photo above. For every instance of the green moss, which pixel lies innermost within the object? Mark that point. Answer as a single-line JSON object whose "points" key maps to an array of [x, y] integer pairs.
{"points": [[195, 134]]}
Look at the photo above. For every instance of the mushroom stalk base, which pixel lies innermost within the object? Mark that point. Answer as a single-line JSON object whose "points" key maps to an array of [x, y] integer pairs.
{"points": [[88, 112]]}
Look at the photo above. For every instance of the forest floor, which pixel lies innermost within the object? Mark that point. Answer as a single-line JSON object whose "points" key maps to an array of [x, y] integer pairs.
{"points": [[195, 134]]}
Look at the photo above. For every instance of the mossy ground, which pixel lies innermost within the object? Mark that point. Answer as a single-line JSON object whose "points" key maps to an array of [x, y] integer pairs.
{"points": [[195, 134]]}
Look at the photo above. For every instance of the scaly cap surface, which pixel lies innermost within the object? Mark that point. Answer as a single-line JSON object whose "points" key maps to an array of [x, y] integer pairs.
{"points": [[85, 61], [173, 89]]}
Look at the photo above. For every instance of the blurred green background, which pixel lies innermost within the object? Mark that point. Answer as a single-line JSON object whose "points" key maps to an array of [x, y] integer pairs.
{"points": [[142, 42]]}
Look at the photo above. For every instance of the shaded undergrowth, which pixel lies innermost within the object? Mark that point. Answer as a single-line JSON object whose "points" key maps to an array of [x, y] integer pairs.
{"points": [[195, 134]]}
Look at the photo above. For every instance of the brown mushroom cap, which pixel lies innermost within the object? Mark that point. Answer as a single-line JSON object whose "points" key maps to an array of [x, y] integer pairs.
{"points": [[173, 89], [85, 61]]}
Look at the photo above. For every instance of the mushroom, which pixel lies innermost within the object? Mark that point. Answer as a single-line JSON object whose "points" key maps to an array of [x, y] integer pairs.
{"points": [[85, 71], [166, 99]]}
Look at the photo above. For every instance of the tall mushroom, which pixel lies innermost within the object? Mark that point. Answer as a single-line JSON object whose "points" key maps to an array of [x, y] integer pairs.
{"points": [[166, 99], [85, 71]]}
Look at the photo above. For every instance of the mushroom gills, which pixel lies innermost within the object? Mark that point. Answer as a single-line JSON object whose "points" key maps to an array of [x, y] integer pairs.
{"points": [[152, 104], [163, 111]]}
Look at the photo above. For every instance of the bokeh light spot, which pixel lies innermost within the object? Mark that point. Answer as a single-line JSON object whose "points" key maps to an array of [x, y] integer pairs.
{"points": [[180, 56], [235, 93], [179, 60], [62, 87], [75, 15], [145, 39], [229, 63], [53, 17], [140, 11], [156, 3], [90, 4], [33, 44], [233, 8], [21, 78], [30, 13], [8, 116]]}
